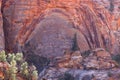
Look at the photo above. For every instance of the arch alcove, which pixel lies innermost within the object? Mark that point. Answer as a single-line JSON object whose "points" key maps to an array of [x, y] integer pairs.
{"points": [[52, 36]]}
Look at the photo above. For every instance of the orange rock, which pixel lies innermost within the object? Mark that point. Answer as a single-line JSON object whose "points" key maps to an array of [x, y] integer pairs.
{"points": [[86, 16], [1, 75], [111, 78], [103, 54]]}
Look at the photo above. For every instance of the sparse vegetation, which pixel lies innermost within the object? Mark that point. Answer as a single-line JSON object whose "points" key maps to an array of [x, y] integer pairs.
{"points": [[75, 43], [10, 68], [66, 76], [86, 53], [116, 58], [111, 5], [110, 74]]}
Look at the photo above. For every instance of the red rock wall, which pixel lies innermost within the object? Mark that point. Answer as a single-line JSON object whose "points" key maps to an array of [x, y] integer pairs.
{"points": [[113, 6], [1, 30], [51, 28], [20, 18]]}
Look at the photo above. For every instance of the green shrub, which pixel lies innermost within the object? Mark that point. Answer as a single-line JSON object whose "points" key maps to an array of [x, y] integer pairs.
{"points": [[2, 56], [13, 70]]}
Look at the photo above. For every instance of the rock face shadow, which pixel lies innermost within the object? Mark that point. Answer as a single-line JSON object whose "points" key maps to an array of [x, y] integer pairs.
{"points": [[51, 38]]}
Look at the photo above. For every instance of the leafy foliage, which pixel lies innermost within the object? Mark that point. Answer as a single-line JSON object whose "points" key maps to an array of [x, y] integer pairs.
{"points": [[2, 56], [10, 68]]}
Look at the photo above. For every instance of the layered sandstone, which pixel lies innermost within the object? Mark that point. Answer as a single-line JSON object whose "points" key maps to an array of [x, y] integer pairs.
{"points": [[86, 17], [46, 30]]}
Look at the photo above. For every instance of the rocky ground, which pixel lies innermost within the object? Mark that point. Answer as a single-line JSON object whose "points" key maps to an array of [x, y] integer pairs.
{"points": [[77, 74], [96, 65]]}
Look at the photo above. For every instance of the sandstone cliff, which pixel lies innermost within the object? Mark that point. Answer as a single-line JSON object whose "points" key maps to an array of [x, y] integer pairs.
{"points": [[85, 18], [48, 29]]}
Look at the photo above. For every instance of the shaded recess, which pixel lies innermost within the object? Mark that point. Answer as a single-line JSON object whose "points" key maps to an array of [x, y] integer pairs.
{"points": [[52, 37]]}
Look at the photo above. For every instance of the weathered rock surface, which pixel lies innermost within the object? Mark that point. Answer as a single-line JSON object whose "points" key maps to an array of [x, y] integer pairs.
{"points": [[53, 36], [20, 23], [113, 7], [75, 74], [98, 60], [47, 31], [2, 44], [92, 65]]}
